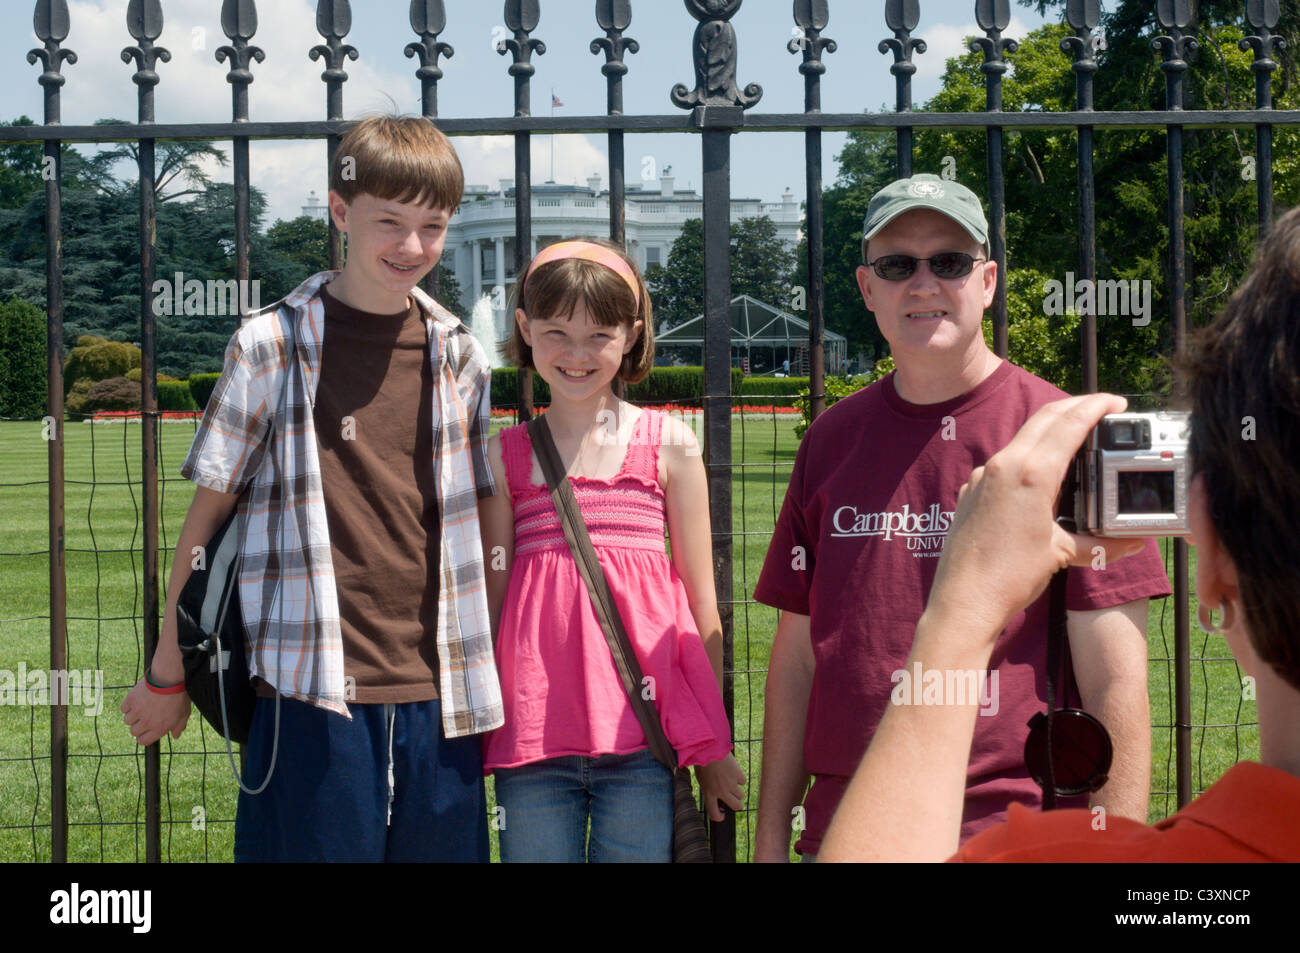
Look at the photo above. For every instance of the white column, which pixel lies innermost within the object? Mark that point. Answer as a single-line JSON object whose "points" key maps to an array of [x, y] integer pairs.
{"points": [[501, 262], [476, 268]]}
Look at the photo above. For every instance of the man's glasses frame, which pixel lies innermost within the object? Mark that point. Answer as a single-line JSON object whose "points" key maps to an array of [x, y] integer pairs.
{"points": [[949, 264]]}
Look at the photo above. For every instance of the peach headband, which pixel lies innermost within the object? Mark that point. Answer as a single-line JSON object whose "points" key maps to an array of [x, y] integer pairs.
{"points": [[588, 251]]}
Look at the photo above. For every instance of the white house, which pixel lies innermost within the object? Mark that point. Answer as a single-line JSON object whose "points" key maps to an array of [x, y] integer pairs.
{"points": [[480, 246]]}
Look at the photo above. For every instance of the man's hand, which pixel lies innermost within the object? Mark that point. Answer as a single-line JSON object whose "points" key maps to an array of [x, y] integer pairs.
{"points": [[721, 780], [1005, 544], [150, 715]]}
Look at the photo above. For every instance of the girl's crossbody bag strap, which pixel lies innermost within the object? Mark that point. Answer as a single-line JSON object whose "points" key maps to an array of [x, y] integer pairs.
{"points": [[602, 600]]}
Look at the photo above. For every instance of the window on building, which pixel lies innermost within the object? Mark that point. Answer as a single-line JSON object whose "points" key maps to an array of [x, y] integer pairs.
{"points": [[652, 255]]}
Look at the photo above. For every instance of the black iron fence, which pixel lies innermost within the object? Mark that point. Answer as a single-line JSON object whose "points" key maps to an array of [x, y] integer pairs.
{"points": [[714, 108]]}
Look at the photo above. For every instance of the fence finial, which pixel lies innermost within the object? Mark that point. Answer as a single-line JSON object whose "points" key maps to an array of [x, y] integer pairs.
{"points": [[239, 23], [902, 16], [714, 50], [1263, 16], [811, 16], [1177, 17], [993, 16], [522, 17], [428, 19], [333, 22], [1083, 16], [50, 23], [144, 21], [614, 16]]}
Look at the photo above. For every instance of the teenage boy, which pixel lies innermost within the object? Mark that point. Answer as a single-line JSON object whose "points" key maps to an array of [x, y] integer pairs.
{"points": [[869, 504], [384, 661]]}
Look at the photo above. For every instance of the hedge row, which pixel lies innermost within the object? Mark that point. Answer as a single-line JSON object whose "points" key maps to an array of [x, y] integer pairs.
{"points": [[662, 385]]}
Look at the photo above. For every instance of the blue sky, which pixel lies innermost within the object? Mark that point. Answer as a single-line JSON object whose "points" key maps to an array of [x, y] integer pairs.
{"points": [[287, 85]]}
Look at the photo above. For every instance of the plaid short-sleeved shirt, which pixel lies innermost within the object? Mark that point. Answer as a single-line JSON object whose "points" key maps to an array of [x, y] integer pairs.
{"points": [[236, 448]]}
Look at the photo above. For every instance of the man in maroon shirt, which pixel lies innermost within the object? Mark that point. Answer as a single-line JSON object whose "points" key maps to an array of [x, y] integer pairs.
{"points": [[866, 513]]}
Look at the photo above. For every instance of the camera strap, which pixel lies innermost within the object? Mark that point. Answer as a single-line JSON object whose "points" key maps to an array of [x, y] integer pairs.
{"points": [[1056, 622]]}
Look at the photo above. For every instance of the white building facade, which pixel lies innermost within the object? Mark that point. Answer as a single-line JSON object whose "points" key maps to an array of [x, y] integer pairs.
{"points": [[480, 247]]}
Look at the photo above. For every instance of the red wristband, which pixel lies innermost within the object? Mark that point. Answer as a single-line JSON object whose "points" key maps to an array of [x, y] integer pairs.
{"points": [[162, 689]]}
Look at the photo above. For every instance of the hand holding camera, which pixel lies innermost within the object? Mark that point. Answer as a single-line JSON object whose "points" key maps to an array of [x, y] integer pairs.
{"points": [[1005, 543]]}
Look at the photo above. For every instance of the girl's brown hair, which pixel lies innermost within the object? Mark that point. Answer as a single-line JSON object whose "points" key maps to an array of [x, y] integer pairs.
{"points": [[1242, 374], [555, 288]]}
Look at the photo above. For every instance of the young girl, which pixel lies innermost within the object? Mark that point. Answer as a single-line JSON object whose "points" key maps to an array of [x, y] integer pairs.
{"points": [[572, 751]]}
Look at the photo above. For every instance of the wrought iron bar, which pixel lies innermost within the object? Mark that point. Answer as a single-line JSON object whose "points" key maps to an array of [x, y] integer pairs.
{"points": [[812, 16], [1263, 15], [993, 17], [615, 16], [718, 109], [333, 22], [677, 123], [428, 19], [901, 16], [1178, 18], [1083, 17], [521, 18], [144, 21], [50, 22], [239, 23]]}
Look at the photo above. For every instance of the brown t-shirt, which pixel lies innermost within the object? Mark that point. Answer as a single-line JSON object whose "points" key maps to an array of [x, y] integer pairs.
{"points": [[374, 431]]}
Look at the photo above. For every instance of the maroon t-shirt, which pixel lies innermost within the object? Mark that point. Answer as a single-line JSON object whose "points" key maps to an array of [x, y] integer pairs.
{"points": [[868, 507]]}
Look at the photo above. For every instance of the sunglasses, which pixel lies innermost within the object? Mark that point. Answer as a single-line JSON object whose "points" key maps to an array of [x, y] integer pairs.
{"points": [[949, 264]]}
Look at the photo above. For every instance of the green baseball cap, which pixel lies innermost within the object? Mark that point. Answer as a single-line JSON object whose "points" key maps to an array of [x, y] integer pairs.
{"points": [[929, 192]]}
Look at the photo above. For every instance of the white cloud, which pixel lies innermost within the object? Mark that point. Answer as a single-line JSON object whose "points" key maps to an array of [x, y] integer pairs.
{"points": [[286, 86]]}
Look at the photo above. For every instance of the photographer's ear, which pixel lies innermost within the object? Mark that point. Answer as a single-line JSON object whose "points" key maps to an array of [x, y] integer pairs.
{"points": [[1216, 575]]}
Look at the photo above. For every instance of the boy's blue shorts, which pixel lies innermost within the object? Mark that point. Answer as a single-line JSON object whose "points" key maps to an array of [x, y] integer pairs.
{"points": [[385, 786]]}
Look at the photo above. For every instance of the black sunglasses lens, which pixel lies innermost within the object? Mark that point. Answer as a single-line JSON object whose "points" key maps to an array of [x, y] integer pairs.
{"points": [[895, 267], [951, 264]]}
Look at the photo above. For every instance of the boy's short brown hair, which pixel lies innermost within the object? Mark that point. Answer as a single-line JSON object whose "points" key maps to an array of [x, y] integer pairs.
{"points": [[403, 159], [555, 288]]}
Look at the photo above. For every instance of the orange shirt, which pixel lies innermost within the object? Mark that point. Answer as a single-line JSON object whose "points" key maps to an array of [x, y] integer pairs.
{"points": [[1252, 813]]}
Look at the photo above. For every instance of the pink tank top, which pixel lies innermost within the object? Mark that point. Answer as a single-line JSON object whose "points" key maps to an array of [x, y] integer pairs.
{"points": [[562, 692]]}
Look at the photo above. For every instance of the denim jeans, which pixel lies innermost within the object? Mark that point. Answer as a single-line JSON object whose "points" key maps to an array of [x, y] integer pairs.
{"points": [[626, 797]]}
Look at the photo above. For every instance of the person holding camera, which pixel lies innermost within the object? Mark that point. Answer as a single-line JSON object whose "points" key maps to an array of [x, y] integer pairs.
{"points": [[905, 801], [853, 557]]}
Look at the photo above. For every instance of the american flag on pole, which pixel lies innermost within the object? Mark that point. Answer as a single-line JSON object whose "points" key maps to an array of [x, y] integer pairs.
{"points": [[555, 101]]}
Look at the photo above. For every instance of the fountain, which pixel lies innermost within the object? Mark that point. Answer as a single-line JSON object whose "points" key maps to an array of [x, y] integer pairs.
{"points": [[483, 322]]}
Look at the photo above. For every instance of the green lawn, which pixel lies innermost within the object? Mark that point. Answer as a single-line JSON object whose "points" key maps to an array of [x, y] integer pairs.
{"points": [[106, 772]]}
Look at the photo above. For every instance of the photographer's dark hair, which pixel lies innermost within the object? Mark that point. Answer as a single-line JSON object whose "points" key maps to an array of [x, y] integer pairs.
{"points": [[1242, 375]]}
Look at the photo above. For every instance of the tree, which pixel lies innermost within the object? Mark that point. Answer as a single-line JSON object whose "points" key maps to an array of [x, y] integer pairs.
{"points": [[762, 266], [23, 387], [303, 240]]}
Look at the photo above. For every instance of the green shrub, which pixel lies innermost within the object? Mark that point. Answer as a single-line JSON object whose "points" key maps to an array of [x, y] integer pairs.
{"points": [[175, 395], [137, 374], [201, 388], [777, 391], [99, 361], [115, 393], [838, 387], [23, 381]]}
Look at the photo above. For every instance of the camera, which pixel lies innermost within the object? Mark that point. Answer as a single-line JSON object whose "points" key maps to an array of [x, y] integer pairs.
{"points": [[1130, 477]]}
